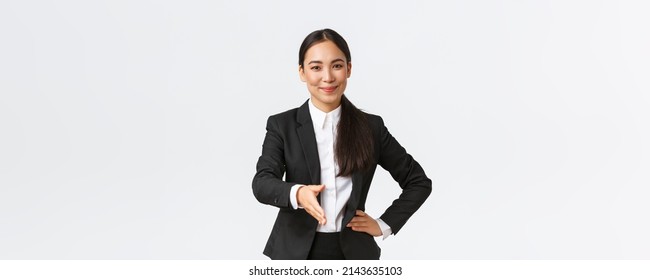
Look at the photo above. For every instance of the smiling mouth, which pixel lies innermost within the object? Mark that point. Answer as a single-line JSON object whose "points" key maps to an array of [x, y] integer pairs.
{"points": [[329, 89]]}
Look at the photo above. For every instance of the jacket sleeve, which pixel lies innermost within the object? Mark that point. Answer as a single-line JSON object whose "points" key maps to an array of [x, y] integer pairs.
{"points": [[268, 186], [415, 184]]}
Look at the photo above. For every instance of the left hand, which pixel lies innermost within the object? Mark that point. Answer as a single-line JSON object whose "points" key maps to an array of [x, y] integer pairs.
{"points": [[364, 223]]}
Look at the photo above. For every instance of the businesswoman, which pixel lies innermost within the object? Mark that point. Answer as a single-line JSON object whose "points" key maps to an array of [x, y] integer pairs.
{"points": [[328, 150]]}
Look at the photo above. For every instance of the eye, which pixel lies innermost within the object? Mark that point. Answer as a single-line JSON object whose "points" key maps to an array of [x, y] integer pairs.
{"points": [[338, 66], [315, 68]]}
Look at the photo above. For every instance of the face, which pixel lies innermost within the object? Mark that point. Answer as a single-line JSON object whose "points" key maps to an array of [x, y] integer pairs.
{"points": [[326, 72]]}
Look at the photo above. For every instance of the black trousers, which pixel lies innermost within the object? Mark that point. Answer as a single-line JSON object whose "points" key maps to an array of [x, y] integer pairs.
{"points": [[326, 246]]}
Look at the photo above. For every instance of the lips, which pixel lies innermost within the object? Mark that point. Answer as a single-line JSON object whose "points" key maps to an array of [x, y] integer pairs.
{"points": [[329, 89]]}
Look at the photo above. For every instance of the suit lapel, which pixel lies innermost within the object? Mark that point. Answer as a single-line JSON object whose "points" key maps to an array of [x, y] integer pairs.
{"points": [[307, 138]]}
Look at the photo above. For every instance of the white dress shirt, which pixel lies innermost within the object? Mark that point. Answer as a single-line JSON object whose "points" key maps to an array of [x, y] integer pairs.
{"points": [[337, 189]]}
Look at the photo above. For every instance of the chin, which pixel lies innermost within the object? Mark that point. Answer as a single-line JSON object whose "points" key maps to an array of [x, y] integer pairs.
{"points": [[334, 98]]}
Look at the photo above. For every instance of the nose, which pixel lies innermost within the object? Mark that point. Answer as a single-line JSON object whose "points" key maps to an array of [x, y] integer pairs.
{"points": [[328, 76]]}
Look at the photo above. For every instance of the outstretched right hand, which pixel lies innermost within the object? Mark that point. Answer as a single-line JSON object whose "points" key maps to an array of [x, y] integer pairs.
{"points": [[307, 199]]}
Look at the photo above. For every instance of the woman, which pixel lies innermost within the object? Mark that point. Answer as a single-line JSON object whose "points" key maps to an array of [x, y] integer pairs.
{"points": [[329, 150]]}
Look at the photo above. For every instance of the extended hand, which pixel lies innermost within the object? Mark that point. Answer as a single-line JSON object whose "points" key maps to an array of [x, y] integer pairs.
{"points": [[364, 223], [306, 197]]}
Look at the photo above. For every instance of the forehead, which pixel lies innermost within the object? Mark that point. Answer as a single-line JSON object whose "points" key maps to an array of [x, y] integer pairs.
{"points": [[324, 51]]}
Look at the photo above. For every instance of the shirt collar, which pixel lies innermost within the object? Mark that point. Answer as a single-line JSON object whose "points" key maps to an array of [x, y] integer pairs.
{"points": [[318, 116]]}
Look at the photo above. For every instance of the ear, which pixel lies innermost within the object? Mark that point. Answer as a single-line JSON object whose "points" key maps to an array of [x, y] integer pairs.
{"points": [[301, 72], [349, 69]]}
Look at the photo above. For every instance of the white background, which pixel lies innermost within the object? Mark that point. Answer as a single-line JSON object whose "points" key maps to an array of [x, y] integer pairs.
{"points": [[131, 129]]}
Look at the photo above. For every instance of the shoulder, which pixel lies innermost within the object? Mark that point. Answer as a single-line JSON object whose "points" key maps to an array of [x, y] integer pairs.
{"points": [[290, 114], [286, 120]]}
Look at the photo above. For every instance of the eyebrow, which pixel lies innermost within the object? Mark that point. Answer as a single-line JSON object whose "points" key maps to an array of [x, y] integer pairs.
{"points": [[318, 61]]}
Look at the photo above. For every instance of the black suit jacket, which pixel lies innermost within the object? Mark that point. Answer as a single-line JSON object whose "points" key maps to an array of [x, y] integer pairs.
{"points": [[290, 148]]}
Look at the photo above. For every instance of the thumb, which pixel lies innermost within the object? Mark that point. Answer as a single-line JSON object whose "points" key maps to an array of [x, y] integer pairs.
{"points": [[319, 188]]}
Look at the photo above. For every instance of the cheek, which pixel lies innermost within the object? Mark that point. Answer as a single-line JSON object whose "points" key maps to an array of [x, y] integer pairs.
{"points": [[313, 80], [342, 76]]}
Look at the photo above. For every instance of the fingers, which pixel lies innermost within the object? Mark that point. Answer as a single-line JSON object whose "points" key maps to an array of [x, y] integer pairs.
{"points": [[313, 208], [317, 212], [307, 199], [359, 221], [360, 226], [362, 222]]}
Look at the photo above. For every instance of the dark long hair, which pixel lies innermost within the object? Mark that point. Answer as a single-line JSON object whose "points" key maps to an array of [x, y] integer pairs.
{"points": [[354, 145]]}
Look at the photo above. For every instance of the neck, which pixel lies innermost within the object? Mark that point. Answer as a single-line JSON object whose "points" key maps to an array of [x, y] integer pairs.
{"points": [[325, 107]]}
